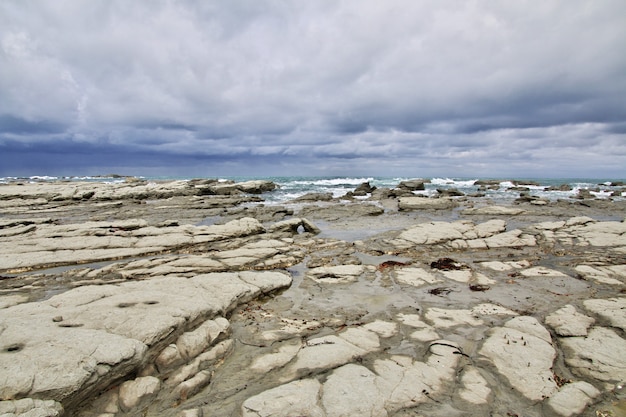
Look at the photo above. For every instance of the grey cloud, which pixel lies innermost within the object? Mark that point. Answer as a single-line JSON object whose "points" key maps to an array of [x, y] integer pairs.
{"points": [[347, 80]]}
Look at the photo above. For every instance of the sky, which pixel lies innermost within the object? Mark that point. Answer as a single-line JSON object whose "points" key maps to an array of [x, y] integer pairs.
{"points": [[475, 88]]}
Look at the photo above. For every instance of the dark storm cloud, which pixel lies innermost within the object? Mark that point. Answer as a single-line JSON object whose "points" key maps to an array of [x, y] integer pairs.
{"points": [[325, 87]]}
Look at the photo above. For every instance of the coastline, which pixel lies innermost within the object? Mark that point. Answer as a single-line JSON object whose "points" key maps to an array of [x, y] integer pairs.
{"points": [[200, 297]]}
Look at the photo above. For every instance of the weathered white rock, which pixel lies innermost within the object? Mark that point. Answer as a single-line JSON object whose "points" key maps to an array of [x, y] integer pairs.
{"points": [[522, 352], [394, 384], [191, 344], [494, 211], [31, 408], [139, 391], [488, 309], [567, 321], [541, 271], [352, 390], [283, 355], [423, 203], [514, 238], [505, 266], [613, 310], [426, 332], [612, 275], [202, 362], [475, 388], [104, 334], [573, 398], [436, 232], [330, 351], [443, 318], [415, 276], [336, 274], [298, 398], [599, 355], [51, 245]]}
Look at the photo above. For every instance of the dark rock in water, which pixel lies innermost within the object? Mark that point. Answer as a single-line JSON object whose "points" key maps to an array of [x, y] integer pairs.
{"points": [[562, 187], [412, 185], [363, 189], [526, 198], [450, 192], [584, 194], [616, 184], [522, 189], [525, 182], [489, 183], [315, 197]]}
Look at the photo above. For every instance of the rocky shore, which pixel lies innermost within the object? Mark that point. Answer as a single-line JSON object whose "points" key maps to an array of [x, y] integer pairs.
{"points": [[196, 298]]}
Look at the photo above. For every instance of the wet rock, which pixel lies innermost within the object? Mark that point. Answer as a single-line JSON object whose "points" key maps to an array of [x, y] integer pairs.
{"points": [[363, 189], [336, 274], [523, 353], [249, 187], [293, 226], [449, 192]]}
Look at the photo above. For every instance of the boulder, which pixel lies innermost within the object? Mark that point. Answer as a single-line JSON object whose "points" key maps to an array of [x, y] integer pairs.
{"points": [[449, 192], [309, 197], [413, 185], [363, 189]]}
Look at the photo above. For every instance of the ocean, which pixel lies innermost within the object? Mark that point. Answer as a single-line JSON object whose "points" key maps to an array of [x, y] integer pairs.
{"points": [[498, 189]]}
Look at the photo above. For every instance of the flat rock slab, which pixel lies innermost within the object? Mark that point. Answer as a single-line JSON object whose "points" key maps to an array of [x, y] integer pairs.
{"points": [[93, 335], [353, 390], [600, 355], [52, 245], [567, 321], [522, 351], [423, 203]]}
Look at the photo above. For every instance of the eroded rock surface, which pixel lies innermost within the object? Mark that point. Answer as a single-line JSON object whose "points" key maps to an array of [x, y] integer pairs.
{"points": [[168, 299]]}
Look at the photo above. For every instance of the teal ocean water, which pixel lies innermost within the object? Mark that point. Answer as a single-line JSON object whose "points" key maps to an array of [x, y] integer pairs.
{"points": [[498, 189]]}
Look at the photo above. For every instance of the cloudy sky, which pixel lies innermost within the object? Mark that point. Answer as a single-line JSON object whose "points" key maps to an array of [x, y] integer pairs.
{"points": [[325, 87]]}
